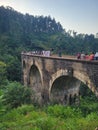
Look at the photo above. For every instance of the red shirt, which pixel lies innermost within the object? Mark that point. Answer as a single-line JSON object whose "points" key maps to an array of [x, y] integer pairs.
{"points": [[91, 57]]}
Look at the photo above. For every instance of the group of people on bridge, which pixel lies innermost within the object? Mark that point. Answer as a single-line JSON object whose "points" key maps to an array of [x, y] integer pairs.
{"points": [[92, 56], [43, 53], [47, 53]]}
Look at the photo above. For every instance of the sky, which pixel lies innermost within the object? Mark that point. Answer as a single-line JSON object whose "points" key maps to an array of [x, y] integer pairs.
{"points": [[78, 15]]}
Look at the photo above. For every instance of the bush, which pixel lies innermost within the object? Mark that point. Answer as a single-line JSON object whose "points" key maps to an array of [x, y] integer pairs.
{"points": [[2, 73], [24, 109], [64, 112], [87, 105], [2, 107], [16, 94]]}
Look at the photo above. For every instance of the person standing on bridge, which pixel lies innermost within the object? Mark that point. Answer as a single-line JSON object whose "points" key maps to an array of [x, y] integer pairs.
{"points": [[91, 57], [79, 55], [60, 53], [86, 56], [82, 55]]}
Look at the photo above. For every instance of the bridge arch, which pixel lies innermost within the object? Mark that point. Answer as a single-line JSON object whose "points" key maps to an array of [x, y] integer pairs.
{"points": [[35, 82], [65, 87], [34, 66], [86, 80], [76, 74], [35, 76]]}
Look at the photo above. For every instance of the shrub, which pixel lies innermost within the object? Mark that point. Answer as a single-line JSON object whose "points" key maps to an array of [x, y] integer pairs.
{"points": [[24, 109], [2, 107], [16, 95], [88, 105], [64, 112], [2, 73]]}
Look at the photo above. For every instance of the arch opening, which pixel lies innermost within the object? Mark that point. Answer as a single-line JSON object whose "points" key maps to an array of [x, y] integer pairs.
{"points": [[36, 84], [68, 90], [35, 79], [65, 90], [24, 64]]}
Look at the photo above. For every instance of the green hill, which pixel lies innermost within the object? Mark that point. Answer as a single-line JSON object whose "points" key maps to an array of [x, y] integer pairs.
{"points": [[20, 32]]}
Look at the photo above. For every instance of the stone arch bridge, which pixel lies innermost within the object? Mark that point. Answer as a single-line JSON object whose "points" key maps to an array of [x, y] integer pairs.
{"points": [[57, 79]]}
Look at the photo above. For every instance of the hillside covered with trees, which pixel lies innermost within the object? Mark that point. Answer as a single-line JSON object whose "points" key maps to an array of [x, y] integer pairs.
{"points": [[20, 32]]}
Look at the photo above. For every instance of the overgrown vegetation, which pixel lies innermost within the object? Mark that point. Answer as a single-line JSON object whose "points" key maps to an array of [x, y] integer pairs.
{"points": [[17, 112], [55, 117], [16, 94]]}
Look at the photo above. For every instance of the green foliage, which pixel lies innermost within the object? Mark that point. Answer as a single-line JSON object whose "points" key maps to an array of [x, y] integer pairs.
{"points": [[14, 69], [60, 111], [84, 90], [25, 109], [57, 117], [2, 72], [16, 95], [88, 100], [28, 117], [2, 107], [87, 105]]}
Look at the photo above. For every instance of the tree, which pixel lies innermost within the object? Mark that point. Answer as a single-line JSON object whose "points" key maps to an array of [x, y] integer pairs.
{"points": [[14, 69], [2, 72], [16, 95]]}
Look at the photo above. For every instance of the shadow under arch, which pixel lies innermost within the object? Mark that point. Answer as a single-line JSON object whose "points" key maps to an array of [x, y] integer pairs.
{"points": [[24, 64], [64, 89], [35, 81]]}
